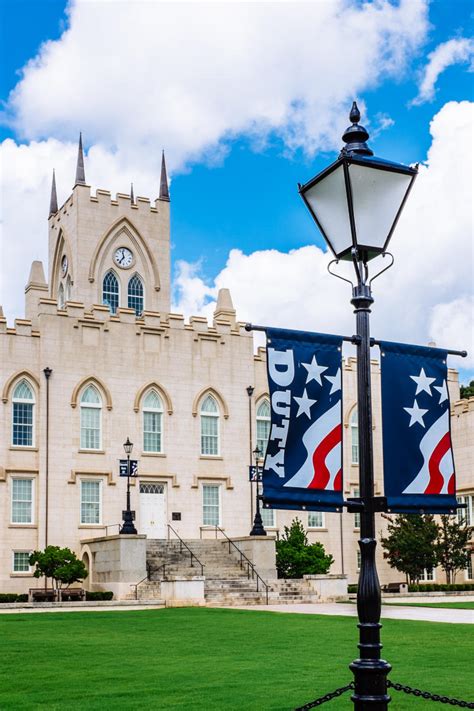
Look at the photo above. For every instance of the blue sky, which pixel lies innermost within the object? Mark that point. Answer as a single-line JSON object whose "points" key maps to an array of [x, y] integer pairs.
{"points": [[234, 179]]}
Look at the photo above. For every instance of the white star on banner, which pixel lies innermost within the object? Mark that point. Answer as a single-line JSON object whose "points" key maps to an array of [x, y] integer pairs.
{"points": [[335, 380], [422, 382], [443, 390], [416, 413], [314, 370], [304, 404]]}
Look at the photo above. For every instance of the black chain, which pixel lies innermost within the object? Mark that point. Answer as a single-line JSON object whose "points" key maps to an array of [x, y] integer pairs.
{"points": [[327, 697], [430, 697]]}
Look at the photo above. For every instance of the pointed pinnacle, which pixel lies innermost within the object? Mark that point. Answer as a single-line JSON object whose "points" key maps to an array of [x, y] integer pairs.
{"points": [[164, 192], [80, 173], [132, 196], [53, 203]]}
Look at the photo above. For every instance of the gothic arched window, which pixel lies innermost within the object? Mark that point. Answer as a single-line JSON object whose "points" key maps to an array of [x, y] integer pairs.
{"points": [[209, 426], [152, 422], [110, 291], [67, 291], [263, 425], [91, 418], [22, 420], [61, 297], [135, 294]]}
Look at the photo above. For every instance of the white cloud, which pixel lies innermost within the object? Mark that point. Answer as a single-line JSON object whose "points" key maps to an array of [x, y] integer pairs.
{"points": [[454, 51], [426, 295]]}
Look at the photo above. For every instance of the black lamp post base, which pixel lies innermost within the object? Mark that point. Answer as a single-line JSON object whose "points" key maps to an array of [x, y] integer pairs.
{"points": [[257, 528], [128, 527], [370, 679]]}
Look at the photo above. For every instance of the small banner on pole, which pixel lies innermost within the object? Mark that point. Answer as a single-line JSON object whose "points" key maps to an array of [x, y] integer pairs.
{"points": [[418, 457], [303, 462]]}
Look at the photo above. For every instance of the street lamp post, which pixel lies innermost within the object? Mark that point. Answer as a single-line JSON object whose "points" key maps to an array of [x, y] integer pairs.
{"points": [[257, 528], [356, 203], [128, 526]]}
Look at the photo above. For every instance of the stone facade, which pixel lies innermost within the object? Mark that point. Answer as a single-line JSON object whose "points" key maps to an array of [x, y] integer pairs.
{"points": [[124, 357]]}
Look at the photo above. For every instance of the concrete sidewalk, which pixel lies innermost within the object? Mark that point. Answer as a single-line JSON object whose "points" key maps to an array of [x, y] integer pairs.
{"points": [[426, 614]]}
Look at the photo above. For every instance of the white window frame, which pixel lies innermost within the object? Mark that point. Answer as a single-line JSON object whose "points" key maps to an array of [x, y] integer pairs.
{"points": [[358, 559], [219, 502], [467, 513], [271, 513], [61, 296], [119, 294], [262, 418], [31, 522], [89, 480], [138, 276], [155, 411], [21, 572], [91, 405], [468, 571], [216, 415], [354, 427], [425, 578], [356, 495], [323, 522], [33, 417]]}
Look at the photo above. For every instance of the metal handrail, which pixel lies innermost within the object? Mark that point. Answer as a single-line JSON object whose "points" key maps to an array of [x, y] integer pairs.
{"points": [[147, 577], [250, 565], [111, 525], [183, 543]]}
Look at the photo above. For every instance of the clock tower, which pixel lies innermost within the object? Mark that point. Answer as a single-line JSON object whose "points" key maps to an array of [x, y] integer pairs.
{"points": [[110, 251]]}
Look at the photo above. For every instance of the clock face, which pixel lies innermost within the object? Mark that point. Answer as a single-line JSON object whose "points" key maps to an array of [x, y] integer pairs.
{"points": [[123, 257], [64, 265]]}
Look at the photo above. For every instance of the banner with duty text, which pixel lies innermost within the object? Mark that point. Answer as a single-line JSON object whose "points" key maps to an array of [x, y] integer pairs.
{"points": [[417, 449], [303, 462]]}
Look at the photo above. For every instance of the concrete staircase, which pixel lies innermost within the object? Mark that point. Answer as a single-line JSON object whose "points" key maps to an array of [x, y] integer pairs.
{"points": [[226, 582]]}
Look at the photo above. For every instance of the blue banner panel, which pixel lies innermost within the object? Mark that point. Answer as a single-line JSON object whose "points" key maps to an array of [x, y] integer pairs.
{"points": [[417, 449], [303, 462]]}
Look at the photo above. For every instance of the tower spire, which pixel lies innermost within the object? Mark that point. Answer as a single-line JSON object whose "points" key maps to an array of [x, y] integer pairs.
{"points": [[164, 192], [80, 173], [53, 203]]}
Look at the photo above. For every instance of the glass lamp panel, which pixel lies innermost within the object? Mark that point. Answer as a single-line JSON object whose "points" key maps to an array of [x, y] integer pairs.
{"points": [[377, 196], [328, 201]]}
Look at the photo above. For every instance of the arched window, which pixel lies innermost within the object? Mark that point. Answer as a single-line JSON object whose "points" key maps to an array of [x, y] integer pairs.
{"points": [[135, 294], [152, 422], [263, 425], [354, 424], [23, 420], [61, 297], [68, 288], [91, 416], [110, 292], [209, 426]]}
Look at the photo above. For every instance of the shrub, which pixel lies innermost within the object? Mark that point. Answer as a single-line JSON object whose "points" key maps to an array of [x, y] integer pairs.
{"points": [[22, 598], [352, 588], [440, 587], [100, 595], [296, 557], [9, 597]]}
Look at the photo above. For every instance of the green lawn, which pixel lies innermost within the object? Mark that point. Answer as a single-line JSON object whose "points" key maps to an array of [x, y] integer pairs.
{"points": [[453, 605], [212, 660]]}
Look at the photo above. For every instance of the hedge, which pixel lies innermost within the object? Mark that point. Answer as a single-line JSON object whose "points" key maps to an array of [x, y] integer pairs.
{"points": [[352, 588], [100, 595], [440, 587], [12, 597]]}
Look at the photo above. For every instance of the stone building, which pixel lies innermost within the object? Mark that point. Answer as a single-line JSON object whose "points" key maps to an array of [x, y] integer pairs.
{"points": [[99, 357]]}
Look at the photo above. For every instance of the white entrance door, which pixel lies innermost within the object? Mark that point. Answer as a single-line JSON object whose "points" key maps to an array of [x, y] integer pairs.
{"points": [[153, 509]]}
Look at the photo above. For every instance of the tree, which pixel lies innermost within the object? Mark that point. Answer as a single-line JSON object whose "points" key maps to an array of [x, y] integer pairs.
{"points": [[410, 546], [453, 537], [59, 564], [467, 391], [296, 557]]}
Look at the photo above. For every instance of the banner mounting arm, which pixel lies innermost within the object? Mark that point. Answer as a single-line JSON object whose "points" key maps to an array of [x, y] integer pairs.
{"points": [[253, 327]]}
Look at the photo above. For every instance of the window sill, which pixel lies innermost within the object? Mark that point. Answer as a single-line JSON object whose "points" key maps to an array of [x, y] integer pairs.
{"points": [[22, 525], [19, 448], [91, 451], [91, 525], [216, 457], [317, 528], [21, 575], [153, 454]]}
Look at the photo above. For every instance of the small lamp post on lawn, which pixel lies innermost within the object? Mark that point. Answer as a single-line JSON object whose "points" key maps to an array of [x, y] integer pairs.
{"points": [[257, 528], [356, 203], [128, 525]]}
